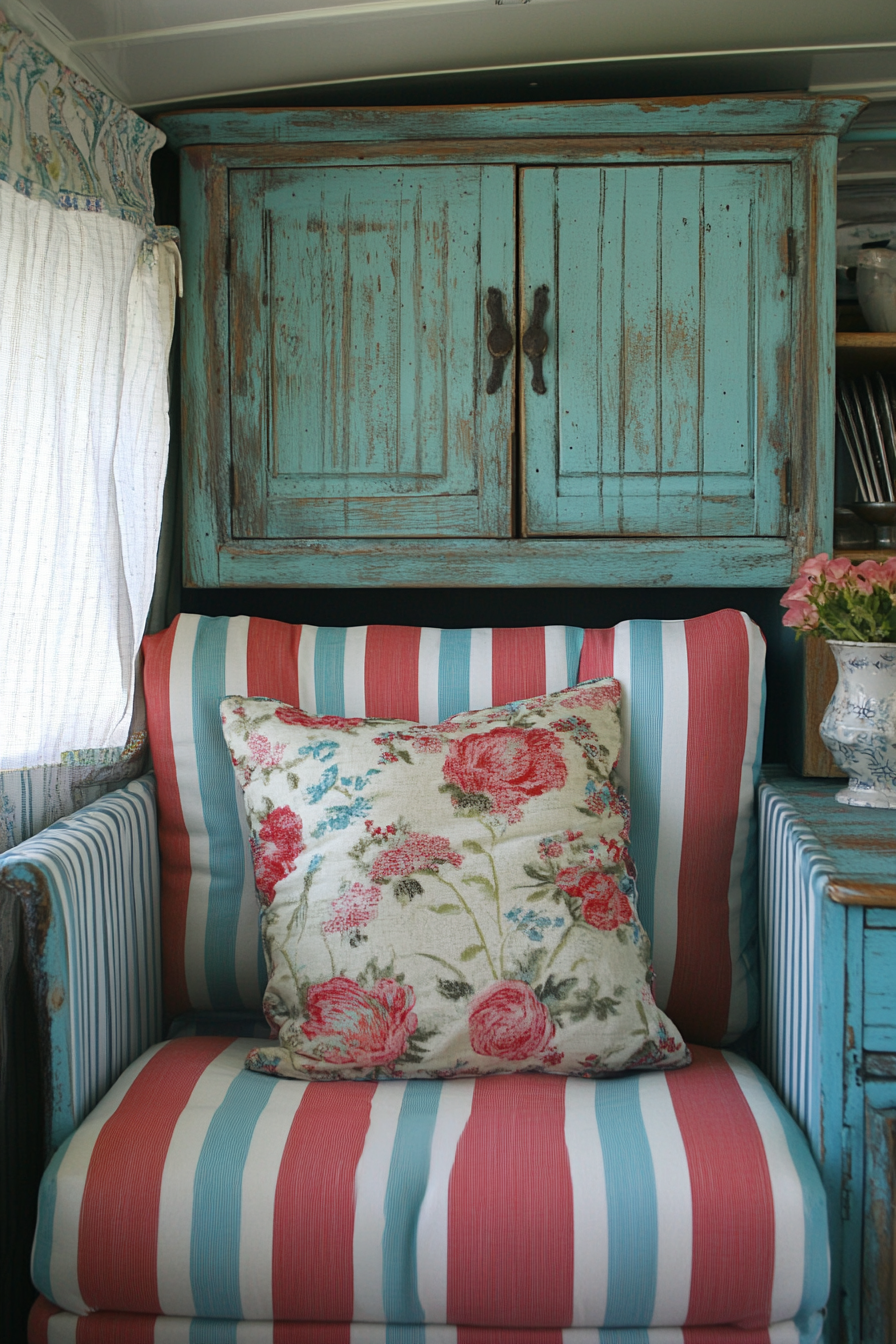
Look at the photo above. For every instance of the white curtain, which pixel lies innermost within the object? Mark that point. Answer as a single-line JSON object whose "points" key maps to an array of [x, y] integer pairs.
{"points": [[87, 294]]}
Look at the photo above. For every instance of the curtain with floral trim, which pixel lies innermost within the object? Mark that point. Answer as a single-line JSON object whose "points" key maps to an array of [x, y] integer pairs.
{"points": [[87, 297]]}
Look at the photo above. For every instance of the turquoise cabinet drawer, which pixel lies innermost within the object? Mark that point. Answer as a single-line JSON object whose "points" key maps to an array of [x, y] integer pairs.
{"points": [[880, 989]]}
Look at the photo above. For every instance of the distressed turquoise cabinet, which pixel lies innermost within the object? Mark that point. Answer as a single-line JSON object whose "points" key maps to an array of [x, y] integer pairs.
{"points": [[358, 385], [568, 344], [827, 902], [666, 372]]}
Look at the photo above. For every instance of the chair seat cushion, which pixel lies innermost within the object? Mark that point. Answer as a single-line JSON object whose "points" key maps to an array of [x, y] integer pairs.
{"points": [[199, 1189], [48, 1325]]}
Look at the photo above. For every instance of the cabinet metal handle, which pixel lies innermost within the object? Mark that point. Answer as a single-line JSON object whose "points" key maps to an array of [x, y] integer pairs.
{"points": [[535, 341], [499, 340]]}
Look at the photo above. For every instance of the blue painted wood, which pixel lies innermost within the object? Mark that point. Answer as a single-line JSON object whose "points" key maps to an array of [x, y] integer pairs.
{"points": [[360, 365], [668, 371], [560, 563], [821, 1026], [290, 519], [782, 114]]}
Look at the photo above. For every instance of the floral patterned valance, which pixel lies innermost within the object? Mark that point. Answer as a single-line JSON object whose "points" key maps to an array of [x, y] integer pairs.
{"points": [[64, 141]]}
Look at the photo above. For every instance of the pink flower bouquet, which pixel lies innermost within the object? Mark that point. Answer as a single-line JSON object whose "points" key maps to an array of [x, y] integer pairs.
{"points": [[839, 600]]}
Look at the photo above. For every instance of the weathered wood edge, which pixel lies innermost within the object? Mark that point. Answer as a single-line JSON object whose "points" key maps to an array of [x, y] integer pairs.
{"points": [[634, 562], [770, 114], [881, 895]]}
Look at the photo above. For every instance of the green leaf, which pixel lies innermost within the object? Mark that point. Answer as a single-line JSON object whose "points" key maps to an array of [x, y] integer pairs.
{"points": [[473, 846], [475, 879], [447, 909], [472, 951], [404, 756], [539, 874], [454, 989], [540, 894]]}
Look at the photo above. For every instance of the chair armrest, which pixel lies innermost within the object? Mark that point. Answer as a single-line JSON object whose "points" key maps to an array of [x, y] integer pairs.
{"points": [[89, 890]]}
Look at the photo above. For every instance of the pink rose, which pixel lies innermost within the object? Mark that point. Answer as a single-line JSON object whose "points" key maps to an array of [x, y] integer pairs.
{"points": [[367, 1026], [604, 904], [299, 718], [275, 851], [419, 853], [508, 765], [507, 1021], [888, 573], [353, 909]]}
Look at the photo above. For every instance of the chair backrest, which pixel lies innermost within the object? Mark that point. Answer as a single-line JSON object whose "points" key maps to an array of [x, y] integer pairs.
{"points": [[692, 703]]}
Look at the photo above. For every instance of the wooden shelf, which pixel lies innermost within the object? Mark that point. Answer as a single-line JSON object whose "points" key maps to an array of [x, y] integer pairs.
{"points": [[866, 340]]}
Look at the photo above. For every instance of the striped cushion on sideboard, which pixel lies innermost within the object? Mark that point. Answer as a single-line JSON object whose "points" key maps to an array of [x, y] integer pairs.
{"points": [[692, 708]]}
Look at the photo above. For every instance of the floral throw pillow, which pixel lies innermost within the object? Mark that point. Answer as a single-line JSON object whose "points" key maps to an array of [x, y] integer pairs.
{"points": [[447, 900]]}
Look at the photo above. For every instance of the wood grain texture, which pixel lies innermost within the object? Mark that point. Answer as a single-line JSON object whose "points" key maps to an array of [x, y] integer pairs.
{"points": [[669, 350], [564, 562], [876, 894], [316, 414], [819, 681], [358, 355], [779, 114], [205, 381], [879, 1248]]}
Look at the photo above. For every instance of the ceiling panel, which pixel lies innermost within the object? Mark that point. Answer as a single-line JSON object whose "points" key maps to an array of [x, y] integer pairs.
{"points": [[162, 52]]}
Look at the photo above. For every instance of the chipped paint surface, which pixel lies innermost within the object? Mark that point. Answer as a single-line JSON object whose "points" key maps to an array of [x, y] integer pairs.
{"points": [[685, 364]]}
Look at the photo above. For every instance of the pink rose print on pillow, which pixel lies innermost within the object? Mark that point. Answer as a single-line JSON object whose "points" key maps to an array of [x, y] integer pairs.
{"points": [[604, 904], [593, 697], [419, 854], [275, 851], [300, 719], [353, 909], [366, 1026], [508, 765], [506, 1020], [263, 753]]}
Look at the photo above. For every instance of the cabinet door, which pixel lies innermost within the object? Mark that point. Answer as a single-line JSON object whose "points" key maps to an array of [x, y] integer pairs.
{"points": [[358, 351], [667, 365]]}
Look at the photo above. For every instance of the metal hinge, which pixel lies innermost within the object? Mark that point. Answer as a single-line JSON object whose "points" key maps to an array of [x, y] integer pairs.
{"points": [[845, 1203], [791, 252]]}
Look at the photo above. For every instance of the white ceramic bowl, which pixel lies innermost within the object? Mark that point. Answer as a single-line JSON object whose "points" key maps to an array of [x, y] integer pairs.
{"points": [[876, 280]]}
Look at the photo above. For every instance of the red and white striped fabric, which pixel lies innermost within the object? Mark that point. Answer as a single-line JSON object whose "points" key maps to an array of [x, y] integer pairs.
{"points": [[527, 1203], [692, 706]]}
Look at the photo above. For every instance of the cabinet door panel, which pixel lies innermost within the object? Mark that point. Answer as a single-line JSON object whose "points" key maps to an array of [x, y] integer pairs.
{"points": [[358, 356], [668, 349]]}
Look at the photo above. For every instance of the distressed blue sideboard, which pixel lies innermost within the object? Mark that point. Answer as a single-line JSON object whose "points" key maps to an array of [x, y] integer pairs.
{"points": [[828, 908], [562, 344]]}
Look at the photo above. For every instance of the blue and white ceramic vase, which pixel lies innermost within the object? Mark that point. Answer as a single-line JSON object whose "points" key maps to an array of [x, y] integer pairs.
{"points": [[859, 725]]}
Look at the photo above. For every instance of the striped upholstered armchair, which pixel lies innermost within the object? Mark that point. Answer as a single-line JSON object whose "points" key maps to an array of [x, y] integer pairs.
{"points": [[188, 1200]]}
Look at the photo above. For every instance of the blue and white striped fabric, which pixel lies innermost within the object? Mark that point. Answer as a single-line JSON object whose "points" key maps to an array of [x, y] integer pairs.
{"points": [[793, 875], [47, 1327], [90, 892]]}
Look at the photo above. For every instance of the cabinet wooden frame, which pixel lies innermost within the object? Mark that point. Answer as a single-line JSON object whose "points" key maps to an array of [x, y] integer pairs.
{"points": [[803, 138]]}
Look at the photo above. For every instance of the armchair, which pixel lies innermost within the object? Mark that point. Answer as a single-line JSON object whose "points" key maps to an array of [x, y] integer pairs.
{"points": [[187, 1199]]}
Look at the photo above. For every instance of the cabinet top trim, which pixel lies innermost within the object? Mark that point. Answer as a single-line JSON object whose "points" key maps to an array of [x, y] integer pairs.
{"points": [[780, 114]]}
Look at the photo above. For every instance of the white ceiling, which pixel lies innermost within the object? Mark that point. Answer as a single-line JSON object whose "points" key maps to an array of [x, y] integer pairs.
{"points": [[152, 53]]}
